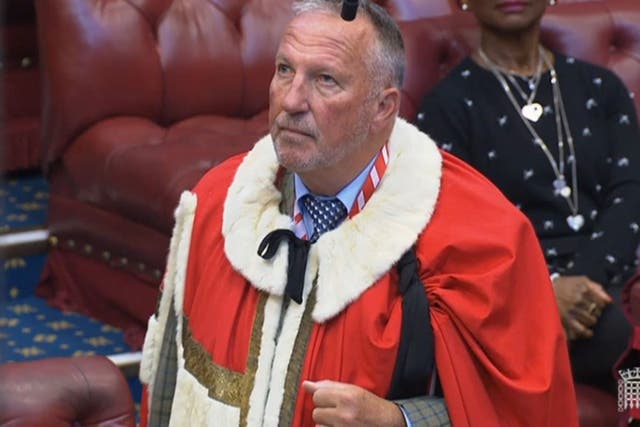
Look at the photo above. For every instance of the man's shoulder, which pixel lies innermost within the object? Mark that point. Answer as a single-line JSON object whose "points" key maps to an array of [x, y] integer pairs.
{"points": [[472, 195], [458, 172], [473, 222], [218, 178], [210, 194]]}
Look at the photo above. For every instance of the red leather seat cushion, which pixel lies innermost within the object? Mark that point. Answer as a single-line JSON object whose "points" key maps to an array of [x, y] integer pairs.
{"points": [[136, 168]]}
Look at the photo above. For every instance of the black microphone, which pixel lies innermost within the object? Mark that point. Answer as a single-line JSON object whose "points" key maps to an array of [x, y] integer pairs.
{"points": [[349, 9]]}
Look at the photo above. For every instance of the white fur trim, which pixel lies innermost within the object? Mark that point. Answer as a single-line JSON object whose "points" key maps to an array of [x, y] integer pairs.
{"points": [[363, 249], [187, 211], [180, 251], [280, 366], [345, 263], [192, 405], [260, 390], [150, 351], [251, 211], [273, 362], [176, 262]]}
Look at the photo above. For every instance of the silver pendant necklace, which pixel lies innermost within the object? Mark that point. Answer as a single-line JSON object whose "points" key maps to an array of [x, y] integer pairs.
{"points": [[560, 187], [531, 110]]}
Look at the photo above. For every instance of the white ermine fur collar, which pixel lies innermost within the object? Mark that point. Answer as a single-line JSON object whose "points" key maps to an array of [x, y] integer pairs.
{"points": [[356, 254]]}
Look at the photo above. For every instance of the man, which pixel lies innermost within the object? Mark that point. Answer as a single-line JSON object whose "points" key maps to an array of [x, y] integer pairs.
{"points": [[274, 315]]}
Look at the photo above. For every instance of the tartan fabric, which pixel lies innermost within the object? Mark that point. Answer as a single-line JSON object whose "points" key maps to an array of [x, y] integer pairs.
{"points": [[164, 383], [424, 411]]}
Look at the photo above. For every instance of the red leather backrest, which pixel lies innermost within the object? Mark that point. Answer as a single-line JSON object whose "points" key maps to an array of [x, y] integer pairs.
{"points": [[603, 32], [418, 9], [19, 57], [162, 59], [167, 60]]}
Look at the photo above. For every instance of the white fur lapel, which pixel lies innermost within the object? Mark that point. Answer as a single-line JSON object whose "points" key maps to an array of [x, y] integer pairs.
{"points": [[351, 258]]}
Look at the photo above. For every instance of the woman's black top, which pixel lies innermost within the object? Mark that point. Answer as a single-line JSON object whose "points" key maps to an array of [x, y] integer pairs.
{"points": [[469, 114]]}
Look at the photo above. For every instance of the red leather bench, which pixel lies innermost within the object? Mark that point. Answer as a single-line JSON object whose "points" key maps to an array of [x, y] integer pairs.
{"points": [[141, 97]]}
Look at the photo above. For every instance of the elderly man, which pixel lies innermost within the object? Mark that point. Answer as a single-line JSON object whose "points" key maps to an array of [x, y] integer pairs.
{"points": [[346, 272]]}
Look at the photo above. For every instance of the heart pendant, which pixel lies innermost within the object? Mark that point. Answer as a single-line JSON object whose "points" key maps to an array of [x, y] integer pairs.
{"points": [[575, 222], [559, 183], [532, 112]]}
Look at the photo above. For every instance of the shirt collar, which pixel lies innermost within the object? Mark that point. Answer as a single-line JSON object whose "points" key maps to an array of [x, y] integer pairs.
{"points": [[348, 193]]}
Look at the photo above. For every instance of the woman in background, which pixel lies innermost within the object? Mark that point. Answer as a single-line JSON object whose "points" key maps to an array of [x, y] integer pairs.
{"points": [[560, 138]]}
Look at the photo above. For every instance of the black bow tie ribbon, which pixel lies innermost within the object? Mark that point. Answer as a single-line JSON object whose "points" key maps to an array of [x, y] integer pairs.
{"points": [[298, 255]]}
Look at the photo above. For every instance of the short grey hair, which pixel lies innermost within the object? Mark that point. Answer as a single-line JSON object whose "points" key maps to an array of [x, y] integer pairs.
{"points": [[387, 63]]}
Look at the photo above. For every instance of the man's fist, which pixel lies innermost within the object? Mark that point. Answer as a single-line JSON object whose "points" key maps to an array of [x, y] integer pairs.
{"points": [[339, 404]]}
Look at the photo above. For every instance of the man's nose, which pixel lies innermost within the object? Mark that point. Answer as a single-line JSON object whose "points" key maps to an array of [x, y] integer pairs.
{"points": [[296, 97]]}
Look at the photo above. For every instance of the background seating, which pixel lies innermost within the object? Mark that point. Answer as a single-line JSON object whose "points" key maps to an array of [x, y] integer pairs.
{"points": [[20, 87], [61, 392], [141, 97], [139, 100]]}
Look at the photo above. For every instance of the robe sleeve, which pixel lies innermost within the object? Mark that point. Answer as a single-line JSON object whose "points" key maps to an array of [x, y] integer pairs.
{"points": [[501, 353]]}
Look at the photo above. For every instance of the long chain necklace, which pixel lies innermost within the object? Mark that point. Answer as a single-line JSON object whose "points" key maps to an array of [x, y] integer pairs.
{"points": [[570, 194], [531, 110]]}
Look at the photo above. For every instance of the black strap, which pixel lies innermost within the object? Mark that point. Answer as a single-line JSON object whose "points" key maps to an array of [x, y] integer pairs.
{"points": [[416, 357], [298, 254]]}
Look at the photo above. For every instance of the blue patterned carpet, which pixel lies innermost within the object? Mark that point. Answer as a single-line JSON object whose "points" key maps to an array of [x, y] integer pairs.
{"points": [[33, 330], [29, 328], [23, 203]]}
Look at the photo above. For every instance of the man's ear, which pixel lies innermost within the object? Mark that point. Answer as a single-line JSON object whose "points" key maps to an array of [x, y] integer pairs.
{"points": [[388, 106]]}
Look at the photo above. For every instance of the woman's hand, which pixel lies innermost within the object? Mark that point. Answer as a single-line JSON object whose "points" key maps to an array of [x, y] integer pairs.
{"points": [[580, 301]]}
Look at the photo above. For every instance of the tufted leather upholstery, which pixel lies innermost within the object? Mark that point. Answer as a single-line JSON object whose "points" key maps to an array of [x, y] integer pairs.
{"points": [[141, 97], [176, 86], [87, 391], [20, 88], [603, 32]]}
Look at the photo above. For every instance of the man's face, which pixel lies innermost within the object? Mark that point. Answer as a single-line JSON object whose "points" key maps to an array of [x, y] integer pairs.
{"points": [[321, 103], [508, 15]]}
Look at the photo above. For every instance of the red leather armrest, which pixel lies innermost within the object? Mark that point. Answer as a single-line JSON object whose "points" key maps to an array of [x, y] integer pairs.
{"points": [[57, 392]]}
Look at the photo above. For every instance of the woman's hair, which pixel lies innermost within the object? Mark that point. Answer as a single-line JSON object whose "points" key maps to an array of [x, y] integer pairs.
{"points": [[387, 62]]}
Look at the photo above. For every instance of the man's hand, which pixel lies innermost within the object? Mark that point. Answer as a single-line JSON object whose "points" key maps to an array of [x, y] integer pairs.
{"points": [[580, 302], [339, 404]]}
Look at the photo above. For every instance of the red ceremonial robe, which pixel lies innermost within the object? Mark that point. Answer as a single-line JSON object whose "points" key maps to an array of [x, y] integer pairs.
{"points": [[500, 349]]}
